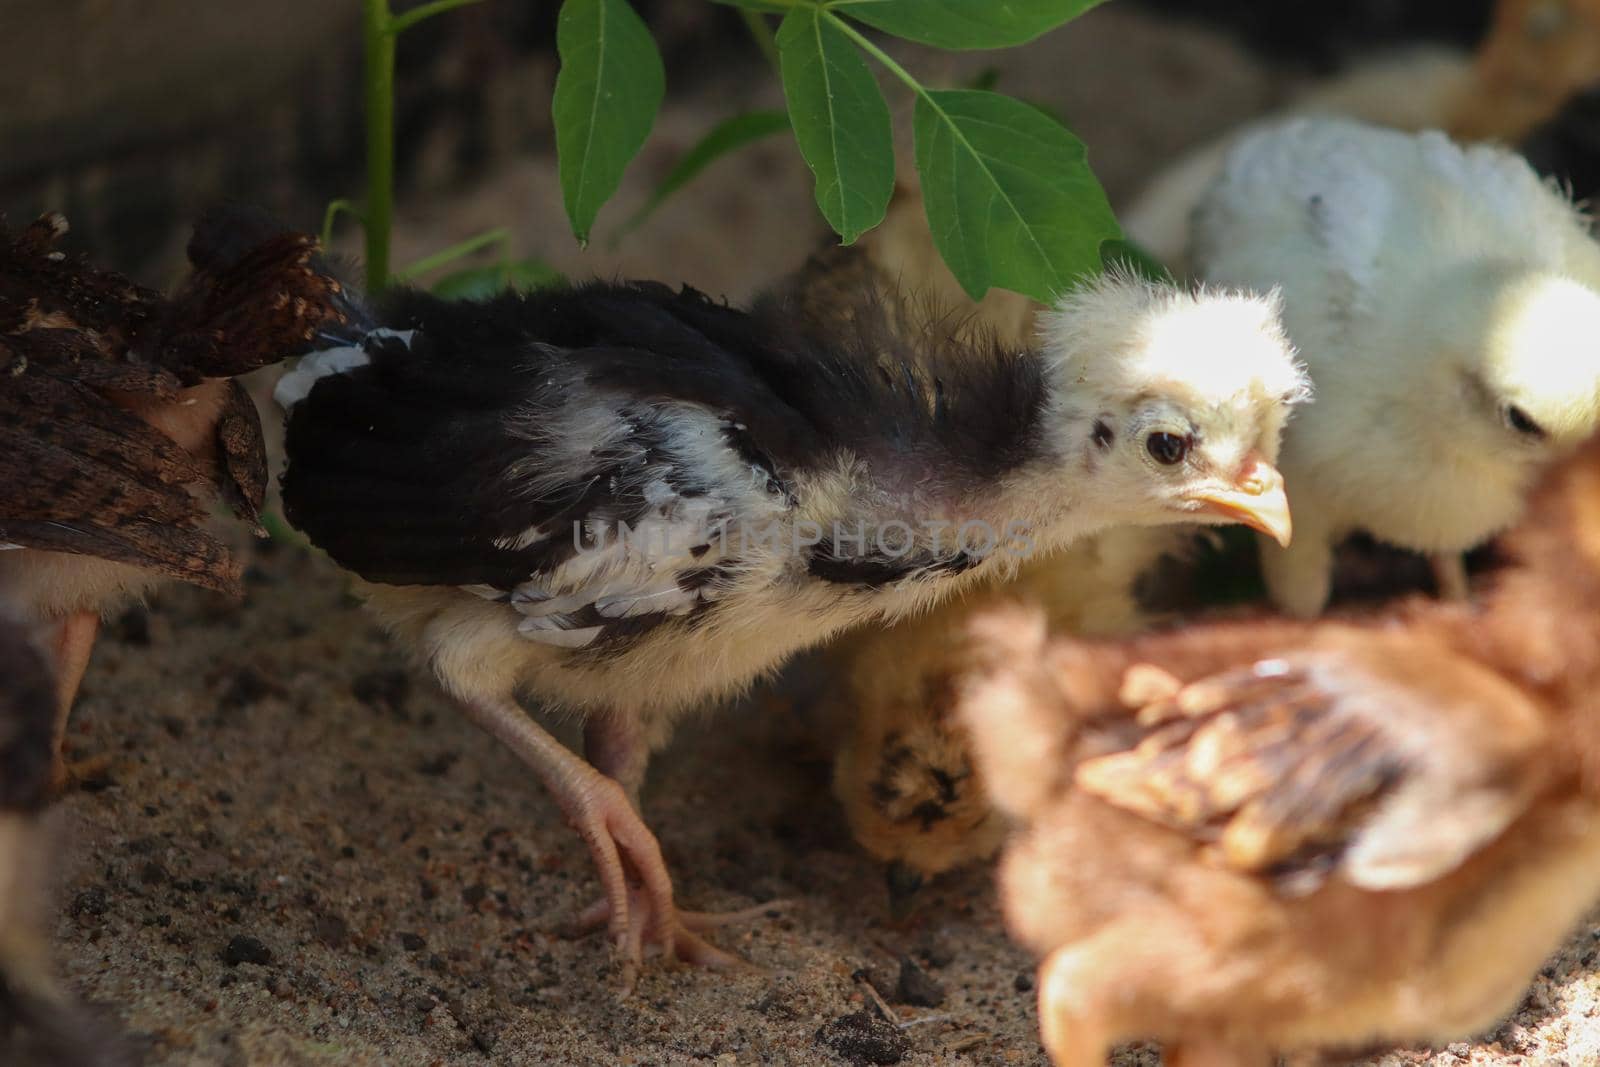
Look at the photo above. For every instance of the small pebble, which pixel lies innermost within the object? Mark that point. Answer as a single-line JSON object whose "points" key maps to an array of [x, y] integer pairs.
{"points": [[332, 931], [916, 988], [91, 901], [246, 949], [383, 689]]}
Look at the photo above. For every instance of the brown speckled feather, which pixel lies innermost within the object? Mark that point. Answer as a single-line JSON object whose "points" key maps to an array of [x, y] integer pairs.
{"points": [[87, 357], [1266, 768], [243, 455], [245, 308], [1299, 766]]}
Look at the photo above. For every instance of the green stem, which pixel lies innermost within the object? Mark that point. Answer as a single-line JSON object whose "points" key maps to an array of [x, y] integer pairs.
{"points": [[402, 23], [453, 253], [379, 36], [877, 53], [761, 30], [335, 209]]}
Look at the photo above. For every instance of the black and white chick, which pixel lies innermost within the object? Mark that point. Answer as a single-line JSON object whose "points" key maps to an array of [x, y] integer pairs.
{"points": [[628, 501]]}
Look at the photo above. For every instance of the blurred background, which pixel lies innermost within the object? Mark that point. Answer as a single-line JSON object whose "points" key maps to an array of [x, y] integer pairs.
{"points": [[284, 780], [131, 117]]}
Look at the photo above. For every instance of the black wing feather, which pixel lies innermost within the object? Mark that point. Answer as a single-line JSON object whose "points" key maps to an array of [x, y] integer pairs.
{"points": [[424, 428]]}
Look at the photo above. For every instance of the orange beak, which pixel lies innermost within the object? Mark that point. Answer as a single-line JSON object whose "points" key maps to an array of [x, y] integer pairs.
{"points": [[1256, 499]]}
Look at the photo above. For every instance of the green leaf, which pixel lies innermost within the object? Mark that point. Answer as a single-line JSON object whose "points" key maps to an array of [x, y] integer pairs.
{"points": [[1134, 257], [727, 136], [480, 283], [1010, 198], [607, 94], [965, 24], [840, 121], [771, 7]]}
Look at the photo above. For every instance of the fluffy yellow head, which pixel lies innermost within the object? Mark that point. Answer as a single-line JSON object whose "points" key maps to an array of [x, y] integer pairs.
{"points": [[1540, 358], [1173, 400]]}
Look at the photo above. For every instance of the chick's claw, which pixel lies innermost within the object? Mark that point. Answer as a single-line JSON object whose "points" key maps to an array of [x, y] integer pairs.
{"points": [[675, 933], [638, 909]]}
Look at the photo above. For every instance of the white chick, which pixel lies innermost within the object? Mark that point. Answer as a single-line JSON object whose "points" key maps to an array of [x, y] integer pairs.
{"points": [[1441, 299]]}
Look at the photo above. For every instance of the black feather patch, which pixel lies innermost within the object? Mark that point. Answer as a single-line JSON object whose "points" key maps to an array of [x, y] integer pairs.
{"points": [[407, 470]]}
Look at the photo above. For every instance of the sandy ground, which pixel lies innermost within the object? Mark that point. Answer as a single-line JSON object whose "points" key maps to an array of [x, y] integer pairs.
{"points": [[302, 854]]}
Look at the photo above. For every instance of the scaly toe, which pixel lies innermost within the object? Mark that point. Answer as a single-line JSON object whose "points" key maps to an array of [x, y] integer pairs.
{"points": [[710, 920]]}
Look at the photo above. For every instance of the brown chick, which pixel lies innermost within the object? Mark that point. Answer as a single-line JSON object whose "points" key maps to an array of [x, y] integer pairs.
{"points": [[1272, 836], [1537, 54], [903, 771], [121, 421], [40, 1023], [901, 250]]}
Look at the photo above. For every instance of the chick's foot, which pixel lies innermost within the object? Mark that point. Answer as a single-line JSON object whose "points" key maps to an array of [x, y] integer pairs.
{"points": [[638, 909], [1450, 576]]}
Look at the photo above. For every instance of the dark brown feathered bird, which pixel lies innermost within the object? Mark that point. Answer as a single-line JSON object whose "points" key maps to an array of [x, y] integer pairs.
{"points": [[120, 421], [1269, 836], [41, 1025]]}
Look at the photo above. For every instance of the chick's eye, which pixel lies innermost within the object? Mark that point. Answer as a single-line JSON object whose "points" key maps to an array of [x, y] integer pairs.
{"points": [[1167, 448], [1520, 421]]}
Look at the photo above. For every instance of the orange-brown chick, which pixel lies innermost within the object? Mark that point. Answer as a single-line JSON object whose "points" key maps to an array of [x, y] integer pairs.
{"points": [[121, 419], [901, 248], [1537, 54], [903, 771], [1267, 836]]}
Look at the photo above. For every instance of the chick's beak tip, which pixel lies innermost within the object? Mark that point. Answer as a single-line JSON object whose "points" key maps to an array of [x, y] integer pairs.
{"points": [[1256, 499]]}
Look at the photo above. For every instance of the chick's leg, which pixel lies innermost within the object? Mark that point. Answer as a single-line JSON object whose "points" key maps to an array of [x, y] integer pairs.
{"points": [[1073, 1024], [1299, 578], [615, 746], [638, 910], [70, 649], [1209, 1054], [1450, 576]]}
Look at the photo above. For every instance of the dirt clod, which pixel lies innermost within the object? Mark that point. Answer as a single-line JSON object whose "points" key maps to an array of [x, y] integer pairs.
{"points": [[246, 949], [864, 1037]]}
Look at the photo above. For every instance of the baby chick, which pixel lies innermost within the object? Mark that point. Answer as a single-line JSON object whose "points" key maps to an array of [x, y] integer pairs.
{"points": [[40, 1023], [1277, 836], [1537, 54], [120, 419], [1442, 299], [903, 771], [1419, 89], [781, 475]]}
